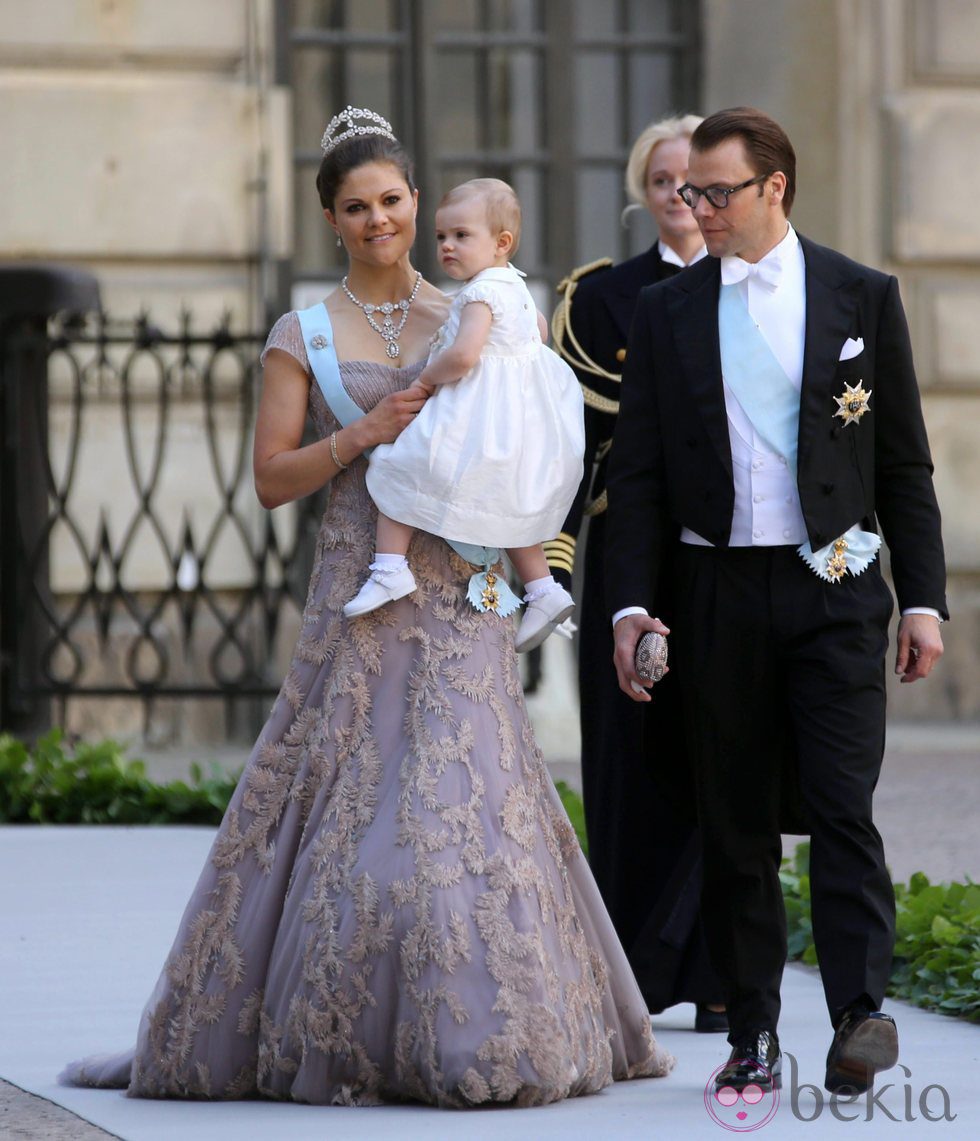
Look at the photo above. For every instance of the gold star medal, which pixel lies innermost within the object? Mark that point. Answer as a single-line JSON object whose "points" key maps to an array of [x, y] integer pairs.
{"points": [[490, 596], [837, 563], [853, 404]]}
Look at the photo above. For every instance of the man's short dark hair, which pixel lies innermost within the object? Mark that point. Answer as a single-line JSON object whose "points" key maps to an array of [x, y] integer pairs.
{"points": [[767, 146]]}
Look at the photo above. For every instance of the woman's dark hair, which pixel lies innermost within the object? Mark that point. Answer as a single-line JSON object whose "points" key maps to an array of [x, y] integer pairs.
{"points": [[352, 153], [767, 146]]}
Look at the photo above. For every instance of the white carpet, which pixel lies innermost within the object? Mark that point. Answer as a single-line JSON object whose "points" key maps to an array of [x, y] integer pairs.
{"points": [[86, 918]]}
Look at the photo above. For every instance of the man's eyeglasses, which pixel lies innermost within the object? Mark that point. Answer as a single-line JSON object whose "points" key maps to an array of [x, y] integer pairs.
{"points": [[717, 195]]}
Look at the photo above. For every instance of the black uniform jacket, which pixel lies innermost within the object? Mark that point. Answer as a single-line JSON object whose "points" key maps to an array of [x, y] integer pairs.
{"points": [[671, 462], [599, 316]]}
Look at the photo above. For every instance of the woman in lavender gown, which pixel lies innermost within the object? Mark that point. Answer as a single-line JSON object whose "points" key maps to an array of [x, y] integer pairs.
{"points": [[395, 906]]}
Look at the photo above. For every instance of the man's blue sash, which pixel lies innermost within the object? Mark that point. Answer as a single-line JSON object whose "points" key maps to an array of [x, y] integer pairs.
{"points": [[751, 370], [772, 403]]}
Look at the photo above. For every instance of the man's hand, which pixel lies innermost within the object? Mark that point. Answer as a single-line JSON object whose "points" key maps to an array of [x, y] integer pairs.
{"points": [[920, 646], [627, 632]]}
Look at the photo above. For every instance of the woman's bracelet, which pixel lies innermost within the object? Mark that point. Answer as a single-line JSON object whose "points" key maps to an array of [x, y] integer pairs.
{"points": [[333, 452]]}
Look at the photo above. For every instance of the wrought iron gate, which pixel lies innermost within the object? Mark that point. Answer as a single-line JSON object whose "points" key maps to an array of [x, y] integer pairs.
{"points": [[133, 566]]}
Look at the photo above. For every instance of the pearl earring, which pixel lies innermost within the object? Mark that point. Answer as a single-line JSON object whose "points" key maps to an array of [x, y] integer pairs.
{"points": [[339, 242]]}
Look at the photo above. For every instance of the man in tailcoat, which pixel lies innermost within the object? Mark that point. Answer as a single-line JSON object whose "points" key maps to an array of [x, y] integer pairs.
{"points": [[770, 421]]}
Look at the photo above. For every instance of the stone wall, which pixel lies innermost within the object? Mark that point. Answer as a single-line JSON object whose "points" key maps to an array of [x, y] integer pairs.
{"points": [[145, 141]]}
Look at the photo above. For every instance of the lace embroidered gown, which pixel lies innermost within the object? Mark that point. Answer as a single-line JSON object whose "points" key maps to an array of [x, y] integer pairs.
{"points": [[395, 905]]}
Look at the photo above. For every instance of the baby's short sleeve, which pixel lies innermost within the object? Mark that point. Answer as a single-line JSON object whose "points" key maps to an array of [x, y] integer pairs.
{"points": [[485, 291]]}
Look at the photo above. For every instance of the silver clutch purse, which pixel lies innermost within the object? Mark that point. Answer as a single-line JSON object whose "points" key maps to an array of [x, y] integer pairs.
{"points": [[651, 656]]}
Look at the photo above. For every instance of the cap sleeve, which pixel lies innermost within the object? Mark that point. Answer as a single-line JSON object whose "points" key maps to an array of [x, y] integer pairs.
{"points": [[287, 335], [485, 291]]}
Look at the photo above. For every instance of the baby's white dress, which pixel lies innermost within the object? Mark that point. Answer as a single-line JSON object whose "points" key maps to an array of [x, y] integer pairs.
{"points": [[496, 457]]}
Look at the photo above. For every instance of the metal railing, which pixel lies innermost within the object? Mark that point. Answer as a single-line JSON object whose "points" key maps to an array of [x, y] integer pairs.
{"points": [[134, 559]]}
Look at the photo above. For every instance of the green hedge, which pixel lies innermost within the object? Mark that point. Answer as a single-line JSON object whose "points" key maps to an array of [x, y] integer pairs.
{"points": [[61, 783], [937, 945], [937, 949]]}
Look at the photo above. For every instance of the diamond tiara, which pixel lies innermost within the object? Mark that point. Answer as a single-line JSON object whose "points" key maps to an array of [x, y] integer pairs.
{"points": [[375, 125]]}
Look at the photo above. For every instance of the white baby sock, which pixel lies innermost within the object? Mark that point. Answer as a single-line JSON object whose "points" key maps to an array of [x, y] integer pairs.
{"points": [[388, 562], [538, 586]]}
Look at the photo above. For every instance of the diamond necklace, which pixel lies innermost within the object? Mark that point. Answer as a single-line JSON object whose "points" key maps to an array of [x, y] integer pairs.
{"points": [[388, 329]]}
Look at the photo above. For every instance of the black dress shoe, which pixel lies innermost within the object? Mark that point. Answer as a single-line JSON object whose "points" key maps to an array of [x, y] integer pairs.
{"points": [[710, 1021], [755, 1060], [864, 1043]]}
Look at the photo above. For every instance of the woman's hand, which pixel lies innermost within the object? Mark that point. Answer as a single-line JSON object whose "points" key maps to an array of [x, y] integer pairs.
{"points": [[389, 417], [286, 469]]}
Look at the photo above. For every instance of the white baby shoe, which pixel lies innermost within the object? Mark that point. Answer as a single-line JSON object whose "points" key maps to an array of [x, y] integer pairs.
{"points": [[384, 585], [544, 612]]}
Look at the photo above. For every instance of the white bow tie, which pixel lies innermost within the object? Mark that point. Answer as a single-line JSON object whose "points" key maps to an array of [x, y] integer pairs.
{"points": [[734, 270]]}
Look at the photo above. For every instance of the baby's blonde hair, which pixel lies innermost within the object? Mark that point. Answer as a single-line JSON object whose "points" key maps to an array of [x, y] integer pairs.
{"points": [[503, 207]]}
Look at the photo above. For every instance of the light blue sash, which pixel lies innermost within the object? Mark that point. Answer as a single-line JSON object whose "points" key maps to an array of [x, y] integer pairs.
{"points": [[319, 342], [318, 339], [751, 370], [772, 403]]}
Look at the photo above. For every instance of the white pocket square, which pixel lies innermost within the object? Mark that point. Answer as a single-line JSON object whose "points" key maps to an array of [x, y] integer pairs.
{"points": [[851, 348]]}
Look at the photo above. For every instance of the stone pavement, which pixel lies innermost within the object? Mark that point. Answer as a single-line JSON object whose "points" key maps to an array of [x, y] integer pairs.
{"points": [[83, 930], [24, 1115]]}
